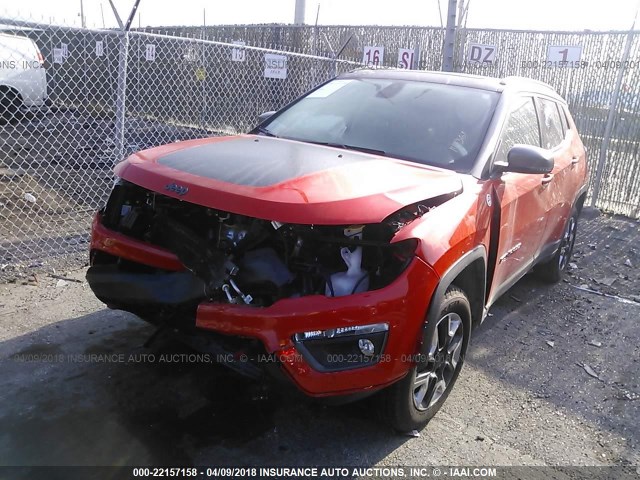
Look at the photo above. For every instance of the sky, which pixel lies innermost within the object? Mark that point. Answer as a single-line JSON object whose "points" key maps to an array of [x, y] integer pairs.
{"points": [[517, 14]]}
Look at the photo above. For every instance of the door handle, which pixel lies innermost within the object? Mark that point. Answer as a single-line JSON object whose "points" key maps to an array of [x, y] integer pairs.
{"points": [[575, 159], [547, 179]]}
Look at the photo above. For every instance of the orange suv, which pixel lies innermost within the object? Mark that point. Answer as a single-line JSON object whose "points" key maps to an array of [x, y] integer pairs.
{"points": [[352, 241]]}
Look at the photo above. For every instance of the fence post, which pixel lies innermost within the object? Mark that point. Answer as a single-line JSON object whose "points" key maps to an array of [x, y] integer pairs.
{"points": [[449, 37], [121, 95], [121, 92], [604, 146]]}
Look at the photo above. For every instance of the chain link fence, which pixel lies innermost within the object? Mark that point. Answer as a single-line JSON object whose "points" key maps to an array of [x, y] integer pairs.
{"points": [[589, 87], [95, 96], [327, 40]]}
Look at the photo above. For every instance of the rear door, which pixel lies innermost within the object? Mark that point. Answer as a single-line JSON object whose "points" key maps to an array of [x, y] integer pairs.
{"points": [[558, 138], [523, 200]]}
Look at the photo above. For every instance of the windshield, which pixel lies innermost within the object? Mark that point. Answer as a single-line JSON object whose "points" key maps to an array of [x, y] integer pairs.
{"points": [[430, 123]]}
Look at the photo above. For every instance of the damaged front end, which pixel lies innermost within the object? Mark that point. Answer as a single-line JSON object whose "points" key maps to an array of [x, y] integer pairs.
{"points": [[246, 289], [230, 258]]}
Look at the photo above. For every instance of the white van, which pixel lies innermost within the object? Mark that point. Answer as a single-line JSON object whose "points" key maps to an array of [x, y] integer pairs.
{"points": [[23, 78]]}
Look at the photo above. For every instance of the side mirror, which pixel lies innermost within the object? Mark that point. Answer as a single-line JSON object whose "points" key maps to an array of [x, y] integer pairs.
{"points": [[528, 159], [264, 116]]}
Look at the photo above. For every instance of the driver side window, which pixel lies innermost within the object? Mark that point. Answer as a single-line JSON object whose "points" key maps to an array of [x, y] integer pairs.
{"points": [[520, 128]]}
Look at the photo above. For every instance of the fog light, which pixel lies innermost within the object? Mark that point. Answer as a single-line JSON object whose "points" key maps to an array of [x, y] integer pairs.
{"points": [[343, 348], [341, 332], [366, 346]]}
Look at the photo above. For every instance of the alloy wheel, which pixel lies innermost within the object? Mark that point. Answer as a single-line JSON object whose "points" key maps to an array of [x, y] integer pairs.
{"points": [[566, 244], [437, 369]]}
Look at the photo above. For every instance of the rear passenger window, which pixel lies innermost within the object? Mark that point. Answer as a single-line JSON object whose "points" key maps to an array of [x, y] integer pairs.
{"points": [[521, 128], [550, 123]]}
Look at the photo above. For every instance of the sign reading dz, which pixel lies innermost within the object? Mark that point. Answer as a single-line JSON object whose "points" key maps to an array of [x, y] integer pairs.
{"points": [[479, 53]]}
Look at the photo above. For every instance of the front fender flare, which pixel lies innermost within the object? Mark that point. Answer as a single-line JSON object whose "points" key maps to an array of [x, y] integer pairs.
{"points": [[477, 253]]}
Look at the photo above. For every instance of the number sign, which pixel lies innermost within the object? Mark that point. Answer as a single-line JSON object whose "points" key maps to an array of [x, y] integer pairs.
{"points": [[373, 56], [238, 54], [150, 53], [58, 55], [563, 54]]}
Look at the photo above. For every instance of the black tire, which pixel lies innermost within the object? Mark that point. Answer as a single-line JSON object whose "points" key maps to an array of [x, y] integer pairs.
{"points": [[553, 270], [10, 103], [404, 410]]}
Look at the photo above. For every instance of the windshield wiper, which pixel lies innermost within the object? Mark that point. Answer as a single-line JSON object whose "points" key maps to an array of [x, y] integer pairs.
{"points": [[350, 147], [265, 131]]}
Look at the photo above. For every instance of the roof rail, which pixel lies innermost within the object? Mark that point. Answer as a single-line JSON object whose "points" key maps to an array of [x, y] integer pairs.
{"points": [[524, 80]]}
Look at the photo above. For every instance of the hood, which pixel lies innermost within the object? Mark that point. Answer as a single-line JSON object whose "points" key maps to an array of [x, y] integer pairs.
{"points": [[286, 180]]}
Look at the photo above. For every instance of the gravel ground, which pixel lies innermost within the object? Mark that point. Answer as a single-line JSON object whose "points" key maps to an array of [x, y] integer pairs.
{"points": [[551, 378]]}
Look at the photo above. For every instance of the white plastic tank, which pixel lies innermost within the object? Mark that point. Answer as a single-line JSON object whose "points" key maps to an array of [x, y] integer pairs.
{"points": [[355, 279]]}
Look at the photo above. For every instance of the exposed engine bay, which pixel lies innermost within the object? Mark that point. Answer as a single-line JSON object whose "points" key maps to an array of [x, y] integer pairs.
{"points": [[243, 260]]}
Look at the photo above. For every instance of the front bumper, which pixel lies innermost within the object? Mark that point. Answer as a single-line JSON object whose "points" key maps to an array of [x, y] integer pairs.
{"points": [[139, 289], [401, 305]]}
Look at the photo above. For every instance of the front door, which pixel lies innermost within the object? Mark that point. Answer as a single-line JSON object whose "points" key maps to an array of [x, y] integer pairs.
{"points": [[523, 200]]}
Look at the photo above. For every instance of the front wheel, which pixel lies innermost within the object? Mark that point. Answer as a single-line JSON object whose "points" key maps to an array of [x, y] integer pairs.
{"points": [[414, 400]]}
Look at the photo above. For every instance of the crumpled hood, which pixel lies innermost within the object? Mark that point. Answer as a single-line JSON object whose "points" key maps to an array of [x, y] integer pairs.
{"points": [[285, 180]]}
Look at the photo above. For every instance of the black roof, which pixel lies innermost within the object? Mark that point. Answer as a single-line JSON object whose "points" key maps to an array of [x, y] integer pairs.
{"points": [[459, 79]]}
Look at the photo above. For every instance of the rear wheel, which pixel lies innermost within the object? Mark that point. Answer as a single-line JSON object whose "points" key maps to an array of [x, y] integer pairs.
{"points": [[553, 270], [415, 399]]}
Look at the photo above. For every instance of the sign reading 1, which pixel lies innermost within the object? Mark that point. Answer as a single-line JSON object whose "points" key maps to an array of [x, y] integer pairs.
{"points": [[408, 58], [563, 55], [373, 56]]}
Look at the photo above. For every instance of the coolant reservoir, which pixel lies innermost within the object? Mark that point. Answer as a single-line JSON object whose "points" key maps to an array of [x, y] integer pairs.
{"points": [[355, 279]]}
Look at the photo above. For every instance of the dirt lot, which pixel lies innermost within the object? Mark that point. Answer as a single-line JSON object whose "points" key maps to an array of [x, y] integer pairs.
{"points": [[552, 378]]}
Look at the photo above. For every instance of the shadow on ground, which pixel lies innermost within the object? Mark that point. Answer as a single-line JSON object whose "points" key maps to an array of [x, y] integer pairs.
{"points": [[86, 391]]}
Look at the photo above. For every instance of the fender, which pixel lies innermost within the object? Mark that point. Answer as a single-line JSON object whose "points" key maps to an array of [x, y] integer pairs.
{"points": [[479, 252], [580, 192]]}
